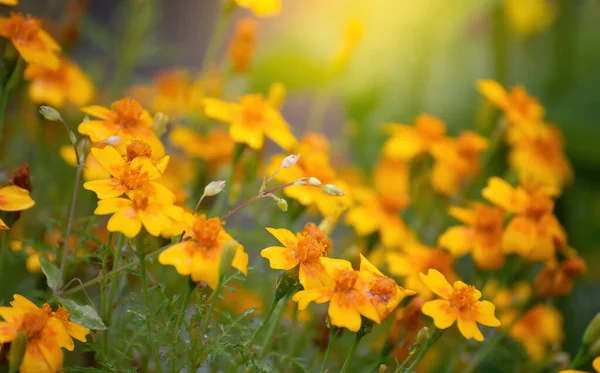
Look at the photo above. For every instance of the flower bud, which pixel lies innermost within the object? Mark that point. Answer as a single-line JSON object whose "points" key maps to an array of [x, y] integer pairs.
{"points": [[366, 326], [227, 255], [314, 181], [382, 368], [332, 190], [83, 149], [287, 283], [214, 188], [17, 352], [50, 113], [282, 204], [290, 161], [159, 123], [592, 332], [422, 335]]}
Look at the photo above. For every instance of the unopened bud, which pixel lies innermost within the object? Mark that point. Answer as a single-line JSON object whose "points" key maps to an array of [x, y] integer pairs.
{"points": [[50, 113], [282, 204], [227, 255], [17, 352], [214, 188], [592, 332], [159, 123], [83, 149], [314, 181], [382, 368], [422, 335], [366, 326], [290, 161], [332, 190], [287, 283]]}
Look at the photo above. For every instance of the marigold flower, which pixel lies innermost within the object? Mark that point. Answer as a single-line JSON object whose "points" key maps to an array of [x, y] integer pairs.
{"points": [[9, 2], [216, 147], [251, 120], [14, 198], [481, 235], [383, 292], [55, 86], [528, 17], [406, 141], [534, 230], [346, 300], [538, 329], [261, 8], [556, 278], [46, 331], [303, 250], [200, 256], [460, 303], [126, 118], [137, 174], [33, 43], [319, 235], [243, 44]]}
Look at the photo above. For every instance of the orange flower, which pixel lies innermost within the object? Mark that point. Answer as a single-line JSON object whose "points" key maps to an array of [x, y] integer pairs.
{"points": [[46, 331], [406, 141], [251, 120], [126, 119], [383, 292], [138, 174], [556, 278], [55, 86], [216, 147], [346, 300], [243, 44], [539, 329], [301, 250], [534, 230], [200, 257], [456, 160], [33, 44], [460, 303], [482, 235], [14, 198], [261, 8]]}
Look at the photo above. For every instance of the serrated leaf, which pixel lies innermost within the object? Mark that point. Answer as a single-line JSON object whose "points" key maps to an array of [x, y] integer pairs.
{"points": [[84, 315], [51, 272]]}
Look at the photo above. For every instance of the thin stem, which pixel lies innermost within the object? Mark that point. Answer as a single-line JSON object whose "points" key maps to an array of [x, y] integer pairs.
{"points": [[8, 89], [434, 335], [103, 284], [208, 316], [272, 326], [332, 332], [3, 248], [141, 255], [184, 304], [351, 354], [217, 36], [580, 358], [64, 254], [264, 322]]}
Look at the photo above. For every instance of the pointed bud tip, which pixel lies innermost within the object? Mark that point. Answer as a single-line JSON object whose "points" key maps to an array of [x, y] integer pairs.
{"points": [[332, 190], [214, 188], [50, 113], [290, 161]]}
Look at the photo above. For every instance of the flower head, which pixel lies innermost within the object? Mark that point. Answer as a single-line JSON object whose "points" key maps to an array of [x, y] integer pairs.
{"points": [[539, 329], [261, 8], [200, 256], [243, 45], [14, 198], [215, 147], [33, 43], [460, 303], [407, 141], [528, 17]]}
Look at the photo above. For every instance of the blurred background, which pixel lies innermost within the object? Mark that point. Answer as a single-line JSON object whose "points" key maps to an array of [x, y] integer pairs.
{"points": [[410, 57]]}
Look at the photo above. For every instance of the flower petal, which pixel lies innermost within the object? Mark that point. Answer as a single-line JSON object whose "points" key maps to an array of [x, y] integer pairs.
{"points": [[22, 302], [14, 198], [206, 269], [99, 112], [437, 283], [240, 260], [441, 313], [305, 297], [504, 195], [110, 159], [342, 315], [469, 329], [125, 221], [105, 188], [112, 205], [179, 257], [279, 257], [76, 331], [313, 276], [251, 136], [493, 91], [97, 130], [287, 238], [458, 240], [486, 314]]}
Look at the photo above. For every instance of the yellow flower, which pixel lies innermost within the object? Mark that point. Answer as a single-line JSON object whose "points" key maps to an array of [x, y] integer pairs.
{"points": [[383, 292], [200, 256], [528, 17], [46, 331], [481, 235], [406, 141], [313, 162], [55, 86], [129, 215], [302, 250], [251, 120], [261, 8], [216, 147], [93, 169], [378, 209], [538, 330], [346, 300], [32, 262], [137, 174], [126, 119], [416, 258], [595, 365], [353, 32], [460, 303], [456, 160], [243, 44], [534, 231], [33, 44], [14, 198], [9, 2]]}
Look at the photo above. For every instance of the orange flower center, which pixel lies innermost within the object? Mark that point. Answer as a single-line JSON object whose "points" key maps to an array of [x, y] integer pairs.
{"points": [[488, 219], [138, 148], [128, 111], [23, 30], [134, 178], [62, 314], [521, 102], [309, 249], [206, 232], [140, 202], [34, 322], [312, 230], [253, 110], [171, 83], [345, 279], [383, 287], [463, 298], [539, 205]]}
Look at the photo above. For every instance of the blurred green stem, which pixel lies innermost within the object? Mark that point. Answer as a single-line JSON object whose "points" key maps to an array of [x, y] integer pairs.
{"points": [[318, 109], [139, 248], [11, 84], [105, 254], [581, 358], [218, 35], [213, 299], [433, 337], [3, 249], [273, 325], [351, 353], [264, 322], [332, 332], [184, 304]]}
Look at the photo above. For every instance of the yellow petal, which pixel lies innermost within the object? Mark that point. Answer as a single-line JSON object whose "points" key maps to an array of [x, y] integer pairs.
{"points": [[55, 331], [76, 331], [179, 257], [279, 131], [3, 226], [469, 329], [520, 236], [249, 135], [12, 315], [22, 302], [220, 110], [8, 332], [287, 238], [441, 313], [154, 220], [437, 283], [240, 260], [97, 130], [313, 275], [366, 308], [206, 270], [105, 188], [99, 112], [366, 266], [486, 314], [596, 364], [458, 240], [125, 221], [279, 257], [42, 357], [502, 194], [464, 215], [493, 91], [305, 297], [343, 316], [112, 205], [14, 198], [110, 159]]}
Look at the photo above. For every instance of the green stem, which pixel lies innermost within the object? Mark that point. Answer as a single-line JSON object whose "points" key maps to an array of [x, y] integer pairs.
{"points": [[213, 300], [434, 335], [264, 322], [184, 304], [103, 284], [218, 35], [272, 326], [8, 89], [351, 354], [580, 358], [3, 249], [332, 332], [141, 252]]}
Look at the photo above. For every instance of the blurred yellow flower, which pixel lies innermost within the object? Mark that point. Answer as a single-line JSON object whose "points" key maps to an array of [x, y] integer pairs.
{"points": [[55, 86], [346, 300], [251, 120], [243, 44], [460, 303], [9, 2], [533, 231], [261, 8], [556, 278], [215, 147], [538, 330], [481, 235], [406, 141], [528, 17], [33, 43], [200, 256], [353, 32], [32, 263], [14, 198]]}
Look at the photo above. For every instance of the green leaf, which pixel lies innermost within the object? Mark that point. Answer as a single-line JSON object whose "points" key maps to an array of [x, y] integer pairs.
{"points": [[84, 315], [51, 272]]}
